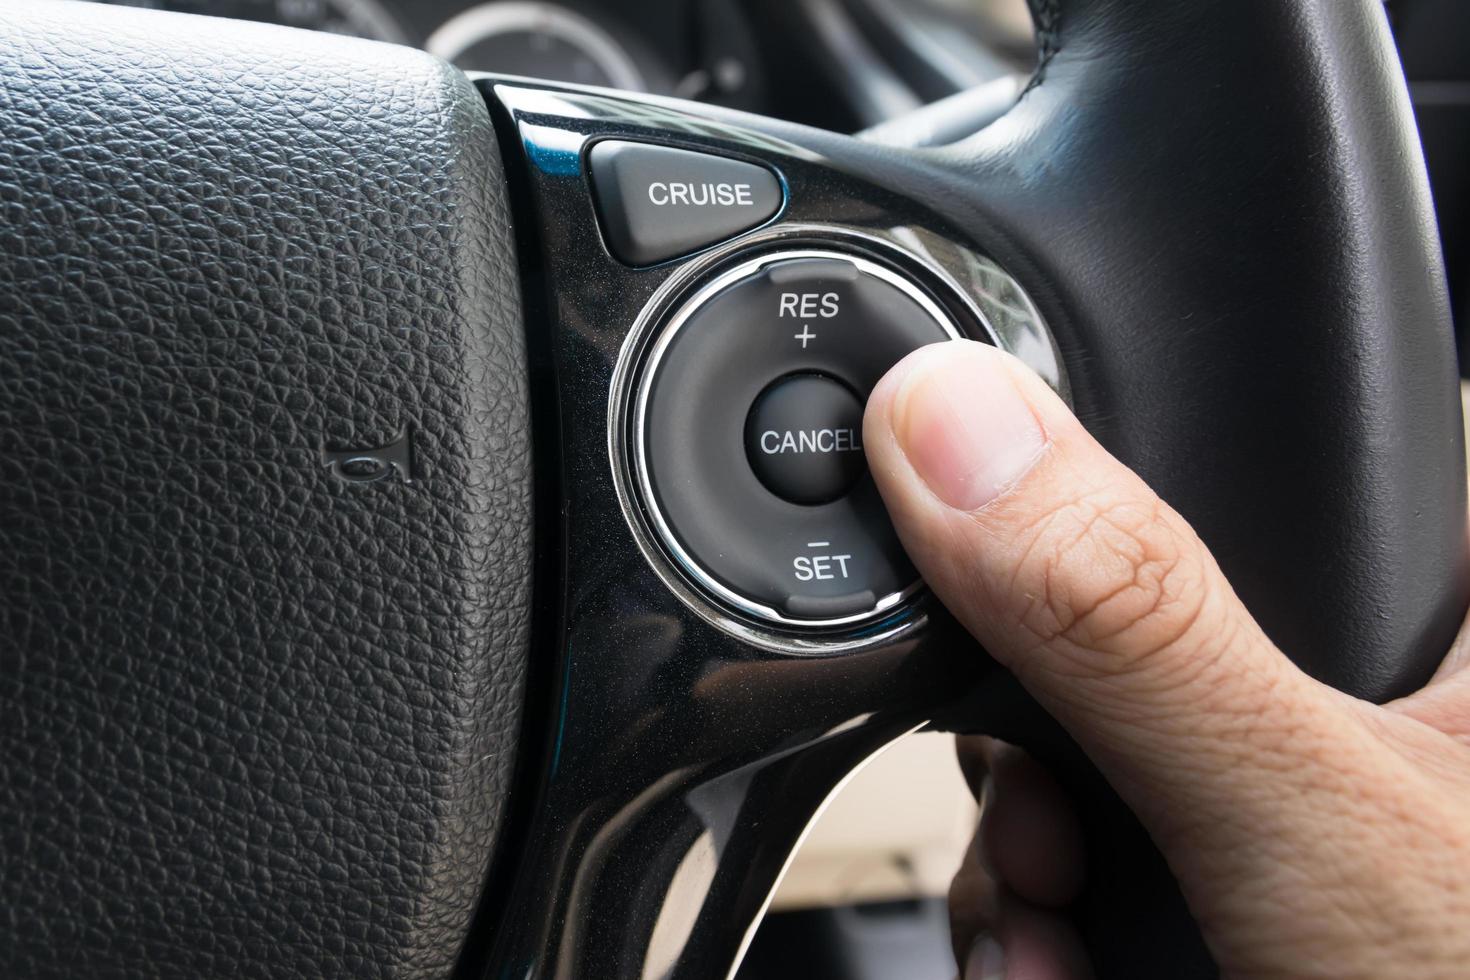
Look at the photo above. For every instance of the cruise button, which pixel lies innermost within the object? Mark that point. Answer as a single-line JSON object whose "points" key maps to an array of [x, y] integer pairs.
{"points": [[660, 202]]}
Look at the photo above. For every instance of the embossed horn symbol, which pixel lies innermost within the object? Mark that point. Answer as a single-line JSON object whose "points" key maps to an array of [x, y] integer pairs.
{"points": [[372, 465]]}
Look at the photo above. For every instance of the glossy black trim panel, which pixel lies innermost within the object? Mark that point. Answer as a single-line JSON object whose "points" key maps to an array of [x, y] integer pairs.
{"points": [[692, 748]]}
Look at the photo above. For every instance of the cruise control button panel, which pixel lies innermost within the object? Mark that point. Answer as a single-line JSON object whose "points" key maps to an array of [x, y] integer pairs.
{"points": [[660, 202], [748, 430]]}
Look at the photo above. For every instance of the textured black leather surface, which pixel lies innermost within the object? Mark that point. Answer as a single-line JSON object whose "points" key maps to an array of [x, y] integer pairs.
{"points": [[1228, 211], [254, 721]]}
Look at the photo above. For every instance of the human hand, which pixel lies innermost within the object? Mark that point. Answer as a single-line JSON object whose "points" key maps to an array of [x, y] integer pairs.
{"points": [[1313, 834]]}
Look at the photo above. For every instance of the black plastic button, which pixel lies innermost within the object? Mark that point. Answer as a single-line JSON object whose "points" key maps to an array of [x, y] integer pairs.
{"points": [[660, 202], [804, 439]]}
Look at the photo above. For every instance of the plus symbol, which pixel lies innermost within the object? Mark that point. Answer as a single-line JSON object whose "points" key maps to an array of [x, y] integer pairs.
{"points": [[805, 335]]}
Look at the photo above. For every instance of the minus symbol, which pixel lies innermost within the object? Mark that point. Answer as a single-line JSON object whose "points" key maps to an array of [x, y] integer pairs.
{"points": [[817, 544]]}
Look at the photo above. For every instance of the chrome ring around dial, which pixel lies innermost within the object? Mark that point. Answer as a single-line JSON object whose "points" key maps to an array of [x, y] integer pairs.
{"points": [[674, 542]]}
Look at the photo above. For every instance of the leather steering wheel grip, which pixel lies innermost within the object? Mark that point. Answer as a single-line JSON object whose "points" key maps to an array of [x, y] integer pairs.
{"points": [[255, 719], [1227, 207]]}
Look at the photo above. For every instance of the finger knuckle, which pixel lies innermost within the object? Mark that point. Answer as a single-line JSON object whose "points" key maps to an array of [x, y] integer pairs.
{"points": [[1115, 575]]}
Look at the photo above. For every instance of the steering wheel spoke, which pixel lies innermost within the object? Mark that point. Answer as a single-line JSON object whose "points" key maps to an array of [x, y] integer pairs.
{"points": [[695, 740]]}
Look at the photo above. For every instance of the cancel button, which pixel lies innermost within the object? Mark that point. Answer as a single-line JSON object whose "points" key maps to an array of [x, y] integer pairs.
{"points": [[804, 438]]}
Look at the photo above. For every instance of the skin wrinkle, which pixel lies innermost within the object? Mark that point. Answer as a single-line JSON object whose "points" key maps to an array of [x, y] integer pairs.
{"points": [[1066, 622], [1441, 710], [1129, 712], [1419, 743], [1354, 892], [1259, 893], [1050, 617], [1156, 614], [1195, 780], [1032, 527], [1217, 664], [1137, 708], [1274, 889], [1082, 652], [1405, 806]]}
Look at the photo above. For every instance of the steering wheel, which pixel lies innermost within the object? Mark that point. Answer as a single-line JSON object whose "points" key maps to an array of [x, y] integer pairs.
{"points": [[429, 545]]}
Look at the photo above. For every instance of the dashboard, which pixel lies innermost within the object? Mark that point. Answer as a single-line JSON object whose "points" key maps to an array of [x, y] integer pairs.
{"points": [[842, 65], [696, 49]]}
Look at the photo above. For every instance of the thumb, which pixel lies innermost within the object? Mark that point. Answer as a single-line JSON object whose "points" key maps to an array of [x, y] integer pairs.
{"points": [[1080, 580]]}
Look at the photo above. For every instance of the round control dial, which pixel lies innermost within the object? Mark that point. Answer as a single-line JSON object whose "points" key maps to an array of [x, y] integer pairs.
{"points": [[748, 435]]}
